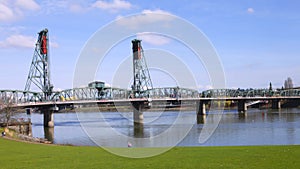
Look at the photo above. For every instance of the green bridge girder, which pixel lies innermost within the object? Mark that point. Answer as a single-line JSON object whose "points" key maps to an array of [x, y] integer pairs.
{"points": [[20, 96], [89, 93], [249, 93]]}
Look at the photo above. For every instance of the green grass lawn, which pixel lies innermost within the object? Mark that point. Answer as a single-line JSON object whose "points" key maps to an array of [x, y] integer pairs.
{"points": [[25, 155]]}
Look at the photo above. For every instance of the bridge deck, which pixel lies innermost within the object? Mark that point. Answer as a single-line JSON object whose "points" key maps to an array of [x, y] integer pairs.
{"points": [[110, 101]]}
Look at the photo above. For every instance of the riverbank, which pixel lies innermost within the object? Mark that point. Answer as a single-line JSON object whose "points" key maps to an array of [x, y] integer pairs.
{"points": [[22, 132], [25, 155]]}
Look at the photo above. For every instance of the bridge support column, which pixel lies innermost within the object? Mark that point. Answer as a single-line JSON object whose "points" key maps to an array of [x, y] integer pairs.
{"points": [[242, 107], [48, 116], [201, 109], [138, 116], [49, 133], [276, 104], [28, 111]]}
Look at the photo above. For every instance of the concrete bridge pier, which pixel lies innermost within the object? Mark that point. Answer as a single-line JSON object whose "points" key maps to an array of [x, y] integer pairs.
{"points": [[28, 111], [49, 133], [48, 116], [201, 108], [201, 119], [138, 116], [276, 104], [242, 107]]}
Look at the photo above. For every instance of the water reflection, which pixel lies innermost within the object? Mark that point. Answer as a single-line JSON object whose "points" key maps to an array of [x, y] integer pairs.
{"points": [[256, 127], [201, 119], [138, 130], [242, 116], [49, 133]]}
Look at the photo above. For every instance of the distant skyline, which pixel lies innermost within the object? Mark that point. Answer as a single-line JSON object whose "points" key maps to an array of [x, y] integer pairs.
{"points": [[257, 41]]}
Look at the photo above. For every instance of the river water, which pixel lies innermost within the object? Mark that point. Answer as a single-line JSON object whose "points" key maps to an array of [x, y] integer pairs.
{"points": [[114, 129]]}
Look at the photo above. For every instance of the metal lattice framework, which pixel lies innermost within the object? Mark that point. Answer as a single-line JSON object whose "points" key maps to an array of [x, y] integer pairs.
{"points": [[249, 93], [39, 72], [172, 92], [290, 92], [141, 76], [88, 93], [19, 96]]}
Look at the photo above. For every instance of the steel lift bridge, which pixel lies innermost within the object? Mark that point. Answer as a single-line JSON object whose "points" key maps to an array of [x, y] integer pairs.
{"points": [[142, 90], [46, 99]]}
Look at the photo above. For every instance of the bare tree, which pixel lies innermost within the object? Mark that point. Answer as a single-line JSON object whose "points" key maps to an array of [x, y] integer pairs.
{"points": [[6, 110]]}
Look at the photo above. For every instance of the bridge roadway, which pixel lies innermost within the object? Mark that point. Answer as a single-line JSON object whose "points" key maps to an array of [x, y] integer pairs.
{"points": [[109, 101]]}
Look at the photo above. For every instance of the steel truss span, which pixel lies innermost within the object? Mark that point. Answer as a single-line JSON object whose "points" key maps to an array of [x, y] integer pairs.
{"points": [[89, 93], [19, 96], [249, 93]]}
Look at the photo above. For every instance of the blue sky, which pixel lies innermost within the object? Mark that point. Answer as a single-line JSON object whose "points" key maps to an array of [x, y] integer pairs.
{"points": [[257, 41]]}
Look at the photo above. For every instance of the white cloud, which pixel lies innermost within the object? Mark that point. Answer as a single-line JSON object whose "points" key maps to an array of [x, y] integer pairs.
{"points": [[6, 14], [22, 41], [27, 4], [147, 17], [63, 6], [250, 10], [11, 10], [157, 11], [153, 38], [54, 6], [18, 41], [76, 8], [54, 44], [113, 6], [81, 6]]}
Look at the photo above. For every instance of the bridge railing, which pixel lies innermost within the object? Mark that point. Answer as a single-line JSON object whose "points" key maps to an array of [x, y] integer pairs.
{"points": [[19, 96], [172, 92], [89, 93], [222, 93], [290, 92], [249, 93], [114, 93]]}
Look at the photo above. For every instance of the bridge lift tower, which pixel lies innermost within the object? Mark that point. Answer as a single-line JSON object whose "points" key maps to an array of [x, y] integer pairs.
{"points": [[39, 72], [141, 80], [141, 76]]}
